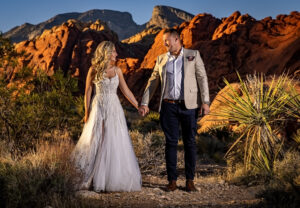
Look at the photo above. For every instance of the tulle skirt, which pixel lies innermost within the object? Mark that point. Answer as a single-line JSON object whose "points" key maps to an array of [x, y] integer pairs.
{"points": [[104, 152]]}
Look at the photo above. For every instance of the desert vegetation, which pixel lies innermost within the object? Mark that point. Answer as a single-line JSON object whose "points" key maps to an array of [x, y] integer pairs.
{"points": [[262, 116], [254, 134]]}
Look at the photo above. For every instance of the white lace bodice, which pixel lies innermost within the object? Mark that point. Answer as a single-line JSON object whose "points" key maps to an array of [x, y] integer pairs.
{"points": [[107, 85]]}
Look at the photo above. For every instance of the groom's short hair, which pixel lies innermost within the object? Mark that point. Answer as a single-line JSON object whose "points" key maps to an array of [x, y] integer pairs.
{"points": [[172, 31]]}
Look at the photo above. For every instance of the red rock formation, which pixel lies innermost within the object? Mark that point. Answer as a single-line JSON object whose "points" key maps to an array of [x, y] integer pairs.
{"points": [[70, 47], [238, 42], [200, 28], [246, 45], [128, 65], [156, 49]]}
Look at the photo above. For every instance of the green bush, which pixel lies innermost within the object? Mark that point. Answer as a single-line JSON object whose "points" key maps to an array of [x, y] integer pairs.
{"points": [[43, 104], [211, 147], [8, 54], [148, 123]]}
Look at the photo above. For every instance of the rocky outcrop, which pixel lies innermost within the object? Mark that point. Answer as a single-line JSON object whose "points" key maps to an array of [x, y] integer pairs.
{"points": [[146, 37], [166, 17], [201, 28], [69, 46], [244, 44]]}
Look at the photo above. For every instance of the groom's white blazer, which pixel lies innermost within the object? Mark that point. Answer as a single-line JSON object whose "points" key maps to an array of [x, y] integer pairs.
{"points": [[195, 80]]}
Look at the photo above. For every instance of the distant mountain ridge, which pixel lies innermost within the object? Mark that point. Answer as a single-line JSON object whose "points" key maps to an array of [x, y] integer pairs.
{"points": [[164, 17], [120, 22]]}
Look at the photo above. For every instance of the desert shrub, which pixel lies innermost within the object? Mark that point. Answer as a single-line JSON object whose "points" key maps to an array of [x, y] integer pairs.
{"points": [[149, 150], [145, 124], [287, 170], [40, 178], [283, 190], [43, 104], [8, 53], [214, 144]]}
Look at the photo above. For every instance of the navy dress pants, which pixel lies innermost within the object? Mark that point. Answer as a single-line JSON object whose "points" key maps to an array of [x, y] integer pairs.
{"points": [[171, 116]]}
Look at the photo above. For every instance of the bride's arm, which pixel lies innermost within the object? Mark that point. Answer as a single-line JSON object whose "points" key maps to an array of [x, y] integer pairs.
{"points": [[88, 93], [125, 90]]}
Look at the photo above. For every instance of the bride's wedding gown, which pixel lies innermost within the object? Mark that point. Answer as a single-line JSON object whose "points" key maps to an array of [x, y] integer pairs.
{"points": [[104, 152]]}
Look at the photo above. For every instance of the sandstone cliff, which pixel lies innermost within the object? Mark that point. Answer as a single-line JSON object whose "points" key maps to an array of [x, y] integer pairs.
{"points": [[238, 42]]}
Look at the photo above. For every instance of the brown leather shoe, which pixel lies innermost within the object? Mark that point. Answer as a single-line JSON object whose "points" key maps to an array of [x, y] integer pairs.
{"points": [[190, 187], [171, 186]]}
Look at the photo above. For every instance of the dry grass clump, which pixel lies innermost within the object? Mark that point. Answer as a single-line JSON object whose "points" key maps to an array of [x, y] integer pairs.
{"points": [[283, 190], [150, 151], [39, 178]]}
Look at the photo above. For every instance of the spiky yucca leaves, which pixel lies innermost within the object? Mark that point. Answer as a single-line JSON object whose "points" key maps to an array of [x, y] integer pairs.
{"points": [[258, 112], [294, 102]]}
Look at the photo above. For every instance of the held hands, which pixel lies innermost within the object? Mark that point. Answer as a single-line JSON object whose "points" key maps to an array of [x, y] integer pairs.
{"points": [[143, 110]]}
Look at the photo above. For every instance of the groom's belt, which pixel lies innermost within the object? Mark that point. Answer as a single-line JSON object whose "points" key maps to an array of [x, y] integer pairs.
{"points": [[173, 101]]}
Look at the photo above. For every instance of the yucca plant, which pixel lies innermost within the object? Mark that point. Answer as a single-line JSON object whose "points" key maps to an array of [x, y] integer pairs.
{"points": [[293, 106], [258, 112]]}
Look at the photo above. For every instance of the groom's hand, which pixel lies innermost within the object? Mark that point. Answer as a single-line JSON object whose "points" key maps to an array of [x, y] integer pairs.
{"points": [[204, 110], [143, 110]]}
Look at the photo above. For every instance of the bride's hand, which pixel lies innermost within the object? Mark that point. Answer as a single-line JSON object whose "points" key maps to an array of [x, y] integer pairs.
{"points": [[143, 110], [86, 117]]}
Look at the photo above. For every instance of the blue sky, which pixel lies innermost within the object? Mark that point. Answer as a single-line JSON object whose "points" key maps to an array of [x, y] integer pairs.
{"points": [[17, 12]]}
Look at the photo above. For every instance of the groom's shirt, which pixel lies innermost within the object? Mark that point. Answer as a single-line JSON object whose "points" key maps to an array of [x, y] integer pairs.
{"points": [[174, 77]]}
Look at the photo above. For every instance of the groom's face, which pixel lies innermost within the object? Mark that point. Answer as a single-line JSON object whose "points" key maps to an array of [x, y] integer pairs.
{"points": [[171, 42]]}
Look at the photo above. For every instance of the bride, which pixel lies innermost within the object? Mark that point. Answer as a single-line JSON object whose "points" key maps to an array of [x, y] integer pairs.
{"points": [[104, 152]]}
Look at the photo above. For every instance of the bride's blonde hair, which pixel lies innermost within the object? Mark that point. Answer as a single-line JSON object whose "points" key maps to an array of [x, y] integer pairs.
{"points": [[102, 58]]}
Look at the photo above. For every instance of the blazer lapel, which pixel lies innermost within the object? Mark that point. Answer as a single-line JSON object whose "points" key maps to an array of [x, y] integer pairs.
{"points": [[163, 72], [163, 66], [184, 61], [164, 61]]}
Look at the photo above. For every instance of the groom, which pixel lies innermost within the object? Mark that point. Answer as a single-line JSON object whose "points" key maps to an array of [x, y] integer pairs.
{"points": [[184, 89]]}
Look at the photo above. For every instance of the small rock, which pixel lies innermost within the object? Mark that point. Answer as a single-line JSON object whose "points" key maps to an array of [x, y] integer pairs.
{"points": [[157, 190], [165, 198]]}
